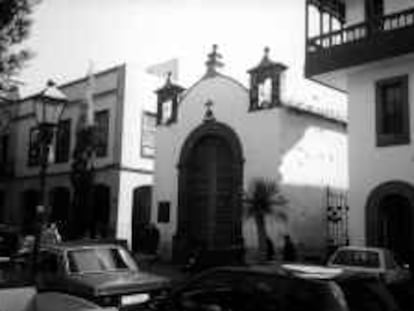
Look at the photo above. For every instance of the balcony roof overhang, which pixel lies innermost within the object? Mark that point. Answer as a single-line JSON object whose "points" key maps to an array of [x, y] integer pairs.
{"points": [[333, 7], [338, 79]]}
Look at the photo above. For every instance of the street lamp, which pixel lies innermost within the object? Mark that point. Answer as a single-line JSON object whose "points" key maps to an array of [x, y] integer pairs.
{"points": [[48, 106]]}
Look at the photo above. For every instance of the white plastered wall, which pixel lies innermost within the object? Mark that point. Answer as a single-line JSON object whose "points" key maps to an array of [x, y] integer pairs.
{"points": [[371, 166]]}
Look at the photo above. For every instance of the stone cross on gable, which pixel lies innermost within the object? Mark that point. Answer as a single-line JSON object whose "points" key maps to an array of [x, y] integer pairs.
{"points": [[209, 115], [209, 104], [213, 62]]}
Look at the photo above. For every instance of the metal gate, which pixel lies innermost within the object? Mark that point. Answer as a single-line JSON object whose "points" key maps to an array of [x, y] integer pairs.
{"points": [[337, 217]]}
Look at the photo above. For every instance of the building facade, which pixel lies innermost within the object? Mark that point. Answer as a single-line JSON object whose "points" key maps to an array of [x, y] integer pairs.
{"points": [[365, 48], [216, 137], [123, 159]]}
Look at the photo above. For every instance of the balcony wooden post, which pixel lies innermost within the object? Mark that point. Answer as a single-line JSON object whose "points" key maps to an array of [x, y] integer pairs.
{"points": [[321, 18], [331, 38], [306, 25]]}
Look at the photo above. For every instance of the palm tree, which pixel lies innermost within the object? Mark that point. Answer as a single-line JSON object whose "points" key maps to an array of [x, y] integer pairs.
{"points": [[264, 198]]}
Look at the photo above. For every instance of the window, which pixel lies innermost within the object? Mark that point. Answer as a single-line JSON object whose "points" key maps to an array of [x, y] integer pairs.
{"points": [[62, 147], [33, 157], [369, 259], [148, 135], [96, 260], [392, 115], [102, 131]]}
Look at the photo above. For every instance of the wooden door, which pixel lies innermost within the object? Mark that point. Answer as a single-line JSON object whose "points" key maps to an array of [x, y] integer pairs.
{"points": [[209, 184]]}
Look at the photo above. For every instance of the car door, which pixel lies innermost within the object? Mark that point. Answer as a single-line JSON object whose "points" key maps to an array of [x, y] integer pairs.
{"points": [[210, 291], [52, 301]]}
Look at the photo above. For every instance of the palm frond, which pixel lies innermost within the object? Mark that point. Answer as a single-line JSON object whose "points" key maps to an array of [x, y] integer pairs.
{"points": [[263, 194]]}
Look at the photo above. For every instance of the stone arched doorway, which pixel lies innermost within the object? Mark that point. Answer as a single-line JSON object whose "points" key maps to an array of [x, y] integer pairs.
{"points": [[141, 216], [390, 218], [209, 198]]}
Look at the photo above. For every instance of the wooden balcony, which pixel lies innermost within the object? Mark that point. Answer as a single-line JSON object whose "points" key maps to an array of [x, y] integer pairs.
{"points": [[389, 36]]}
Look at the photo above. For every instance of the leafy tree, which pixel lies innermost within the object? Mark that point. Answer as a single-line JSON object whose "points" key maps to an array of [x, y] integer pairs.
{"points": [[264, 198], [15, 24]]}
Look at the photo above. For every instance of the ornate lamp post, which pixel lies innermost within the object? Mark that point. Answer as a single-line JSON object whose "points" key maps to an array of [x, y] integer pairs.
{"points": [[48, 107]]}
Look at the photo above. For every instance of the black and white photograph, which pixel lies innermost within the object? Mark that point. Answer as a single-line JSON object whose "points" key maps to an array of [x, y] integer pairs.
{"points": [[206, 155]]}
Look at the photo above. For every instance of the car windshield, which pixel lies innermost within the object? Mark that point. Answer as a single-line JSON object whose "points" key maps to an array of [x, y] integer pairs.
{"points": [[99, 259], [359, 258]]}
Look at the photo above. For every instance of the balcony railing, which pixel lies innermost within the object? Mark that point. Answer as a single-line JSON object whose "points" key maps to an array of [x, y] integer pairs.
{"points": [[362, 31]]}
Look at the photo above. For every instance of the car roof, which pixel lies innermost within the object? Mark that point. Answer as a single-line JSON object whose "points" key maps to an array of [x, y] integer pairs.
{"points": [[270, 269], [320, 273], [362, 248]]}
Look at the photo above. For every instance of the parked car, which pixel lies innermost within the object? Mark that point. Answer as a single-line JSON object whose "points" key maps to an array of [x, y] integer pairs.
{"points": [[272, 287], [371, 260], [104, 273], [361, 291], [9, 241]]}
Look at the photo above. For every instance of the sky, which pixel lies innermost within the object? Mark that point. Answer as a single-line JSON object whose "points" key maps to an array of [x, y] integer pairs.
{"points": [[68, 34]]}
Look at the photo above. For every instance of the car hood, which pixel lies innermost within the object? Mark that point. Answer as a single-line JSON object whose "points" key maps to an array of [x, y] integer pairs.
{"points": [[112, 283]]}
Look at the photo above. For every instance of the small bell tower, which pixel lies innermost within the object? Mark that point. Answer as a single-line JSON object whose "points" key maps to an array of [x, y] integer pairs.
{"points": [[167, 102], [265, 83]]}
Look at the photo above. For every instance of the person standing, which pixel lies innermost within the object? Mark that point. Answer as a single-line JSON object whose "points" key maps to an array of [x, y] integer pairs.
{"points": [[50, 235]]}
